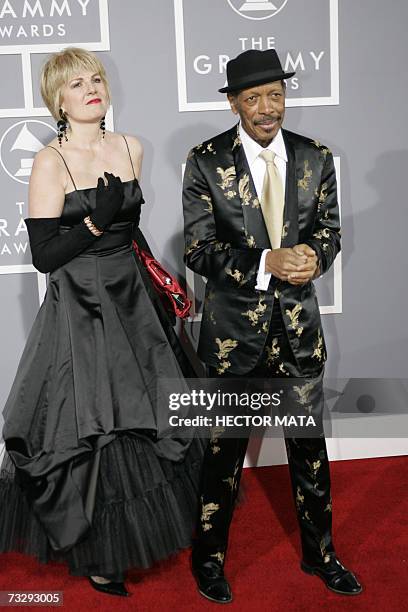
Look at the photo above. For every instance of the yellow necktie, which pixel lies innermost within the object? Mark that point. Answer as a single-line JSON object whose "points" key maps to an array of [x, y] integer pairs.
{"points": [[272, 200]]}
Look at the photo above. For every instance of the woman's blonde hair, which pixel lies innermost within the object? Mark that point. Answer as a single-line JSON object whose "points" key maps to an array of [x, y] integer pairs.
{"points": [[60, 68]]}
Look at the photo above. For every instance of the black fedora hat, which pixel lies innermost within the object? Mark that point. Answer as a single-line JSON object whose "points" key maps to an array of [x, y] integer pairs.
{"points": [[252, 68]]}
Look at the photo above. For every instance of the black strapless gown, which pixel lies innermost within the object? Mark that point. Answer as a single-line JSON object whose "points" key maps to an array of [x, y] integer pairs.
{"points": [[87, 476]]}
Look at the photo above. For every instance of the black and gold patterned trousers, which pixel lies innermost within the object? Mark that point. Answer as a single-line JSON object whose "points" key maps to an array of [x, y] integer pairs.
{"points": [[308, 468]]}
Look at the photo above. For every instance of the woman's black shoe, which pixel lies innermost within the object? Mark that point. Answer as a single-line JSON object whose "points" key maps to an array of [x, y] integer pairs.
{"points": [[111, 588]]}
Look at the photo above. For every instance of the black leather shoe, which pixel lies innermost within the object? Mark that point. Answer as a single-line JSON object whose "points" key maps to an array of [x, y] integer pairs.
{"points": [[111, 588], [335, 576], [211, 582]]}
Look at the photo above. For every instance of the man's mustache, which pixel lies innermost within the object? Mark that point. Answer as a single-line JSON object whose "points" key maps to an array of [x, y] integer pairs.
{"points": [[267, 118]]}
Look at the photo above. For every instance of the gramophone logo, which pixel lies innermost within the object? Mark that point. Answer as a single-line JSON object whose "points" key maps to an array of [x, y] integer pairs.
{"points": [[20, 143], [257, 9]]}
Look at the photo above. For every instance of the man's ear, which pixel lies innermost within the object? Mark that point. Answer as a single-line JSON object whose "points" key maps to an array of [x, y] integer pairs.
{"points": [[232, 99]]}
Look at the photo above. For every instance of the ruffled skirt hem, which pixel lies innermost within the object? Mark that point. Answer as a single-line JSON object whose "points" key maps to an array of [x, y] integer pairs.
{"points": [[145, 510]]}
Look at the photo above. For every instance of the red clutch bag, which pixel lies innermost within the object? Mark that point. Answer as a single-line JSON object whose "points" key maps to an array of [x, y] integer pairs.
{"points": [[165, 284]]}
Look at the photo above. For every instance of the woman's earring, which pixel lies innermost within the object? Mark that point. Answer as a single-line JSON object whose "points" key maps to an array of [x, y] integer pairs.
{"points": [[102, 126], [62, 127]]}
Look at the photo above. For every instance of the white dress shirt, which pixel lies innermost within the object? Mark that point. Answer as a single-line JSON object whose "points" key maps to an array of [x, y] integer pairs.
{"points": [[257, 167]]}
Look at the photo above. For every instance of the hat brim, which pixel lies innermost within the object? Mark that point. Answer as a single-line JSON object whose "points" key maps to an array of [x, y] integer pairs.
{"points": [[259, 81]]}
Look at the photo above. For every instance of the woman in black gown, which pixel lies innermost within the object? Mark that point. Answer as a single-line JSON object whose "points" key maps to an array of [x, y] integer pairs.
{"points": [[86, 476]]}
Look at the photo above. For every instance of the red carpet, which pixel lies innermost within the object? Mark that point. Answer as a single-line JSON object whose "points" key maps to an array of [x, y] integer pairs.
{"points": [[370, 504]]}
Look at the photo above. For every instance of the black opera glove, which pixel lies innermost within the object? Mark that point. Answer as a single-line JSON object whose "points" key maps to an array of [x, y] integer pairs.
{"points": [[109, 199], [50, 249]]}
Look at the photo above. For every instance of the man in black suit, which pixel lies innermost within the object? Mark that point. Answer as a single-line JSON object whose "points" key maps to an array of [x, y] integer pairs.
{"points": [[261, 222]]}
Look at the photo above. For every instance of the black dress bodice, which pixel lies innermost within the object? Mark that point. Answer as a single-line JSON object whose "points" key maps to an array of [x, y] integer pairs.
{"points": [[81, 202]]}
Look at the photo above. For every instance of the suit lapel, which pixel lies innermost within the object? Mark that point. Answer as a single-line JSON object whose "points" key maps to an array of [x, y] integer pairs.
{"points": [[256, 234], [290, 232], [230, 212]]}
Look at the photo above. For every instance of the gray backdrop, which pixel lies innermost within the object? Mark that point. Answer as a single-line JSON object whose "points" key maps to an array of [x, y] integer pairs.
{"points": [[165, 62]]}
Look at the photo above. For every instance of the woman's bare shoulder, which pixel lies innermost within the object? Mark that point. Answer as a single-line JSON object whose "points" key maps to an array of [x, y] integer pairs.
{"points": [[47, 160], [47, 184], [135, 143], [135, 146], [136, 151], [117, 140]]}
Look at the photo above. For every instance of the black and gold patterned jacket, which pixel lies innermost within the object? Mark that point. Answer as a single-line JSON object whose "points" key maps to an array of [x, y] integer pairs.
{"points": [[225, 235]]}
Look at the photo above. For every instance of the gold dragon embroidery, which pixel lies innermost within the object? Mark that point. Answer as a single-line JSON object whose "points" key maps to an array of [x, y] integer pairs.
{"points": [[227, 177], [304, 182], [304, 393], [294, 319], [207, 199], [314, 468], [219, 556], [244, 192], [214, 438], [264, 328], [323, 233], [237, 142], [207, 510], [323, 193], [207, 305], [225, 347], [318, 347], [230, 194], [221, 246], [324, 150], [282, 369], [323, 551], [231, 480], [272, 352], [205, 149], [259, 311], [238, 276], [249, 239], [191, 247]]}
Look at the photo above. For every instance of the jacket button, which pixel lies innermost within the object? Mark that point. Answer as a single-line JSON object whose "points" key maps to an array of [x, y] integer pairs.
{"points": [[296, 343]]}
